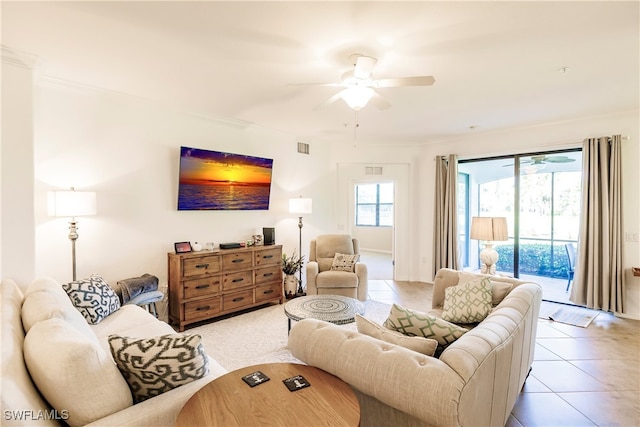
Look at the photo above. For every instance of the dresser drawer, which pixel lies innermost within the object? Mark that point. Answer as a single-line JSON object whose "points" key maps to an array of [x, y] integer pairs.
{"points": [[268, 256], [237, 299], [200, 265], [237, 280], [202, 309], [264, 293], [237, 261], [268, 275], [201, 287]]}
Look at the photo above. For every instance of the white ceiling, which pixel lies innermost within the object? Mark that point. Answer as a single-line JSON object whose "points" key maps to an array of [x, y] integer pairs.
{"points": [[496, 64]]}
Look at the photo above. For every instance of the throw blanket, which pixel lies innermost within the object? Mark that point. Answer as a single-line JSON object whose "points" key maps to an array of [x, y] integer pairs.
{"points": [[128, 289]]}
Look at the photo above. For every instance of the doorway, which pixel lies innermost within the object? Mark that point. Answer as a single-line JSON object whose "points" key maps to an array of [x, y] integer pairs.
{"points": [[539, 194]]}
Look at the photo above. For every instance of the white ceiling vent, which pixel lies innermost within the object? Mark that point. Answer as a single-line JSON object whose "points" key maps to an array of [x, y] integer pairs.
{"points": [[373, 170], [303, 148]]}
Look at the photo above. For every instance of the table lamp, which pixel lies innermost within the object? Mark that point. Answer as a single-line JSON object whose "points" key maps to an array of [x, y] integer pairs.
{"points": [[489, 229]]}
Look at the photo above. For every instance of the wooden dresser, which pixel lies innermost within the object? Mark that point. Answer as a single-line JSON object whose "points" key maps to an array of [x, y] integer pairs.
{"points": [[208, 284]]}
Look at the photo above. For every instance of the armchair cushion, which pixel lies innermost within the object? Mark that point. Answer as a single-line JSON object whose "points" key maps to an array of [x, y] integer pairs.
{"points": [[344, 262]]}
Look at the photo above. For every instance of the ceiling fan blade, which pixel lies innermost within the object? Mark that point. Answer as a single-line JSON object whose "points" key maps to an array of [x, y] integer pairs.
{"points": [[559, 159], [328, 102], [364, 66], [379, 102], [406, 81]]}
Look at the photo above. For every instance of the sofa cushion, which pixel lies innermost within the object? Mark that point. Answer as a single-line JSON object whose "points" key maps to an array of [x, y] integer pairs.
{"points": [[93, 297], [468, 302], [39, 306], [415, 323], [344, 262], [422, 345], [152, 366], [18, 391], [499, 289], [73, 372], [45, 284]]}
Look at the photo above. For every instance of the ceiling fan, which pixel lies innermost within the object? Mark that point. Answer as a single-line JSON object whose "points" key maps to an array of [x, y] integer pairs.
{"points": [[359, 87], [542, 159], [539, 162]]}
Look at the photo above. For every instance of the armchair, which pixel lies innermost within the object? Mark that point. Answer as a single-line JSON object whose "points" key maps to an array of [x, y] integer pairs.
{"points": [[322, 280]]}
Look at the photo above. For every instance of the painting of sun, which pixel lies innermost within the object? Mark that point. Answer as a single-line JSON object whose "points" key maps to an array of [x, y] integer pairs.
{"points": [[215, 180]]}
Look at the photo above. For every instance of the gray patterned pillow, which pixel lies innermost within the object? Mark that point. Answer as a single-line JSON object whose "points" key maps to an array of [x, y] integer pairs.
{"points": [[468, 302], [93, 297], [152, 366], [344, 262], [414, 323]]}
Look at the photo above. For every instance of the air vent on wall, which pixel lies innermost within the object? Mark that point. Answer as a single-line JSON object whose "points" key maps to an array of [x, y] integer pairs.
{"points": [[303, 148], [373, 170]]}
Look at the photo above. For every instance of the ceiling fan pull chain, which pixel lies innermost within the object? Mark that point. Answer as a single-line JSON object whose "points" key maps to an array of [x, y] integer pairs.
{"points": [[355, 128]]}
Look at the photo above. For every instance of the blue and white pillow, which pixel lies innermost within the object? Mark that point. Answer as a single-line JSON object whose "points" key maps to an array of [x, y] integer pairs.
{"points": [[93, 298]]}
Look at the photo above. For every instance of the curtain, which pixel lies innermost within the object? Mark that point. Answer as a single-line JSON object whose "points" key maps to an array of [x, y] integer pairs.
{"points": [[445, 236], [599, 276]]}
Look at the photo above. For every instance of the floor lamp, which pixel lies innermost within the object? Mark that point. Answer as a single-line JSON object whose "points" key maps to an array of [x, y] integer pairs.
{"points": [[489, 229], [72, 204], [300, 206]]}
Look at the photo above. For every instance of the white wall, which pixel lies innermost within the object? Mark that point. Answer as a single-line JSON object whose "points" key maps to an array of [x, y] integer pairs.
{"points": [[554, 136], [127, 150], [17, 253]]}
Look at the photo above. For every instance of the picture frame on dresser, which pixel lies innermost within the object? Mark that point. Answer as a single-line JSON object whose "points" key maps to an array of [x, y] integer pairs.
{"points": [[182, 247]]}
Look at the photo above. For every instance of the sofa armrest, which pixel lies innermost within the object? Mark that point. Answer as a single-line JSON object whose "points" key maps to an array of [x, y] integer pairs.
{"points": [[312, 275], [391, 374]]}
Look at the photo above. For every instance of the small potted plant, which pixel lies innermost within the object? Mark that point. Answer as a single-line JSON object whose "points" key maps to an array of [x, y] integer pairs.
{"points": [[290, 266]]}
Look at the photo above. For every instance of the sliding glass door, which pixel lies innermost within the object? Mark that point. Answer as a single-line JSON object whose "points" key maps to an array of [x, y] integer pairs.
{"points": [[538, 194]]}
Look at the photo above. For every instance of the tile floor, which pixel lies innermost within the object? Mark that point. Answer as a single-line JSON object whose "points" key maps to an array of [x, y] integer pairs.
{"points": [[581, 376]]}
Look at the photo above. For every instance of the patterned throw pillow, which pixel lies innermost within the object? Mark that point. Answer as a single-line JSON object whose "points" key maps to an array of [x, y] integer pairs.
{"points": [[422, 345], [467, 303], [93, 297], [152, 366], [344, 262], [415, 323]]}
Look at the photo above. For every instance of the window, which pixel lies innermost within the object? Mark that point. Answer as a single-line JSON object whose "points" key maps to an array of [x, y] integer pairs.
{"points": [[374, 204]]}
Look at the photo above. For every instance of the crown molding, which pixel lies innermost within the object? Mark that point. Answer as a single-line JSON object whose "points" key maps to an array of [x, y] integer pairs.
{"points": [[17, 58]]}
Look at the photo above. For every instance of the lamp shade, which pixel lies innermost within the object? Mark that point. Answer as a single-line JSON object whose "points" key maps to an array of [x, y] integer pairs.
{"points": [[489, 228], [72, 203], [356, 96], [300, 205]]}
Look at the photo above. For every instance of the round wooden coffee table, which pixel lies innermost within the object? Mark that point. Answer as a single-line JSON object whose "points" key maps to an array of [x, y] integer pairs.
{"points": [[330, 308], [229, 401]]}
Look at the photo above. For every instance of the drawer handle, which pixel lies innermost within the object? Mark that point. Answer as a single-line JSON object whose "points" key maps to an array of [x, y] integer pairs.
{"points": [[202, 286], [267, 256], [267, 274], [202, 266], [238, 299], [205, 308], [237, 280], [270, 291], [238, 260]]}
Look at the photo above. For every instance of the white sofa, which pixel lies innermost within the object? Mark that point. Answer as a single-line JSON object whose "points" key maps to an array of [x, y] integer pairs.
{"points": [[89, 401], [474, 382]]}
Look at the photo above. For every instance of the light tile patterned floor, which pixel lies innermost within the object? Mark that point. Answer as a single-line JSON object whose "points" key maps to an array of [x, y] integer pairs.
{"points": [[581, 376]]}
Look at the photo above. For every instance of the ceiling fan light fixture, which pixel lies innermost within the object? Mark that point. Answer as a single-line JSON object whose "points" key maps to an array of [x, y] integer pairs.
{"points": [[356, 96]]}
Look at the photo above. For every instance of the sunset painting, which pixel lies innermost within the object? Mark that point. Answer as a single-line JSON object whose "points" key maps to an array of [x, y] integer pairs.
{"points": [[223, 181]]}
